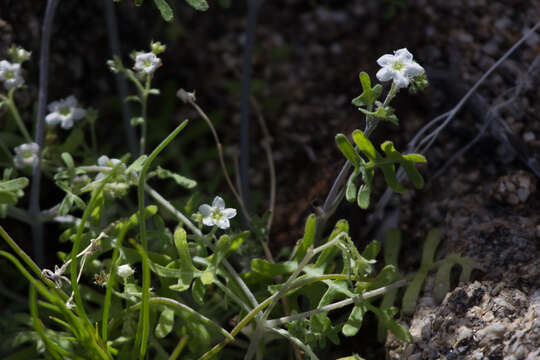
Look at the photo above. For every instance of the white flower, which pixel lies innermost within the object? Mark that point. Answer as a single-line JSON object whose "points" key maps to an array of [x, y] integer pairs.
{"points": [[146, 62], [125, 271], [23, 55], [65, 112], [10, 74], [217, 214], [26, 155], [399, 67], [105, 161]]}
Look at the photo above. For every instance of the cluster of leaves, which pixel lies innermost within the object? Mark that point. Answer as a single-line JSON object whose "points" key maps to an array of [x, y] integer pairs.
{"points": [[387, 164], [392, 245], [167, 12], [345, 273]]}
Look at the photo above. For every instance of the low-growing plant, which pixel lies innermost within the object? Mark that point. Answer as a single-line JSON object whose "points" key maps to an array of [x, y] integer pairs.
{"points": [[136, 286]]}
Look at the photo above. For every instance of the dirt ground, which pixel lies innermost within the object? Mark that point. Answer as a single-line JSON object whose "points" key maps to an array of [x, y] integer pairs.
{"points": [[305, 67]]}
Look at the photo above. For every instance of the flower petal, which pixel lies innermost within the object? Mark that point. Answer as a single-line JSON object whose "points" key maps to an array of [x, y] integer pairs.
{"points": [[386, 60], [413, 69], [208, 221], [403, 55], [52, 118], [229, 213], [223, 223], [67, 123], [70, 101], [385, 74], [218, 203], [400, 80], [205, 210]]}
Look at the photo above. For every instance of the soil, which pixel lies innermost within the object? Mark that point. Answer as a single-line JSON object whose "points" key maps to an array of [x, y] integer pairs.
{"points": [[305, 69]]}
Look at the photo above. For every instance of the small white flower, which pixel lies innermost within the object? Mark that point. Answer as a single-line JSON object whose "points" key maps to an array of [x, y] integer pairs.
{"points": [[10, 74], [26, 155], [105, 161], [64, 112], [23, 55], [146, 63], [399, 67], [217, 214], [125, 271]]}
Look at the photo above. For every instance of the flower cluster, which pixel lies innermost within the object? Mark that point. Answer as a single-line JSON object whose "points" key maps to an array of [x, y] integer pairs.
{"points": [[64, 112], [26, 155], [217, 214], [400, 68]]}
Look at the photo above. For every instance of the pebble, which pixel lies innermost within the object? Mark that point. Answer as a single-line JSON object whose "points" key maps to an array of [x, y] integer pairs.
{"points": [[491, 333]]}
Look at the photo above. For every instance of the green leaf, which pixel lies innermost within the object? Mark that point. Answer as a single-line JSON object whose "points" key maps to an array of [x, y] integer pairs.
{"points": [[347, 149], [179, 179], [68, 160], [200, 5], [165, 323], [386, 318], [372, 250], [186, 266], [364, 191], [138, 164], [352, 184], [8, 198], [164, 9], [407, 162], [307, 240], [198, 290], [14, 184], [364, 145], [149, 211], [354, 322], [369, 94], [269, 269]]}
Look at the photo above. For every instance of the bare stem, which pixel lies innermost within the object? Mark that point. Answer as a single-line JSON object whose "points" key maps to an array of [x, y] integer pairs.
{"points": [[37, 229]]}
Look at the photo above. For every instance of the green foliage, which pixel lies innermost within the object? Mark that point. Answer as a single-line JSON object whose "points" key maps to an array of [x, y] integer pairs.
{"points": [[366, 168], [11, 189]]}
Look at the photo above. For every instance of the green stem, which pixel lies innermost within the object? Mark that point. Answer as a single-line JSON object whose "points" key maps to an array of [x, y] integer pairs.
{"points": [[51, 347], [144, 319], [21, 254], [144, 107], [17, 116], [110, 281], [77, 242], [179, 348], [263, 305]]}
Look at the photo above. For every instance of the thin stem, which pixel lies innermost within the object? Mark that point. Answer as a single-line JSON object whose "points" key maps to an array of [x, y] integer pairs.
{"points": [[21, 254], [166, 204], [336, 305], [77, 241], [179, 347], [110, 281], [17, 116], [37, 229], [144, 110], [222, 160], [253, 313], [144, 319]]}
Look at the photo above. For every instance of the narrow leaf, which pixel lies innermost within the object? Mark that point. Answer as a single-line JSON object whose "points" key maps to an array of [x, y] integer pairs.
{"points": [[164, 9], [200, 5], [307, 240], [352, 184], [364, 144], [347, 149]]}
